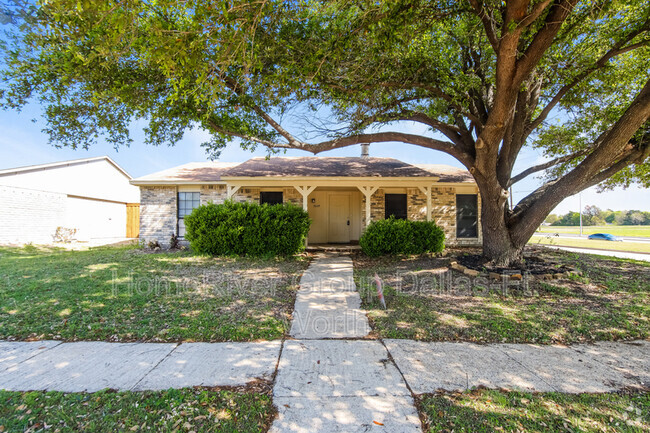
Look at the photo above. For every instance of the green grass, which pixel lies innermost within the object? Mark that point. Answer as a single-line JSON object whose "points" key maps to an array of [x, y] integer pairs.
{"points": [[641, 231], [126, 294], [633, 247], [488, 411], [612, 302], [182, 410]]}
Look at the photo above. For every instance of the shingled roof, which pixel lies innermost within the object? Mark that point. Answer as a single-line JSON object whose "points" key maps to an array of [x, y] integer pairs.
{"points": [[447, 173], [275, 167], [325, 167], [193, 171]]}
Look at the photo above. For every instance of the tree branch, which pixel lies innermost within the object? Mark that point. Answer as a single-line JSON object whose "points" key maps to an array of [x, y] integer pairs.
{"points": [[616, 50], [337, 143], [543, 39], [534, 14], [545, 165], [609, 152], [488, 23]]}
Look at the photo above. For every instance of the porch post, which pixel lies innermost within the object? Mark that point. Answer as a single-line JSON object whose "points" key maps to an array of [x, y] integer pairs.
{"points": [[304, 191], [368, 191], [231, 190], [427, 192]]}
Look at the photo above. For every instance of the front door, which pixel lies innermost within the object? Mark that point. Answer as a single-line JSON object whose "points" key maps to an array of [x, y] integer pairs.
{"points": [[339, 218]]}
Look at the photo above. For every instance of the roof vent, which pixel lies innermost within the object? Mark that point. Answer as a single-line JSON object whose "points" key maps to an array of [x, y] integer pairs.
{"points": [[364, 150]]}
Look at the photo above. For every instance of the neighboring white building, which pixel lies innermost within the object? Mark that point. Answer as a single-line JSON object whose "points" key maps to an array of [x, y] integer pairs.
{"points": [[91, 195]]}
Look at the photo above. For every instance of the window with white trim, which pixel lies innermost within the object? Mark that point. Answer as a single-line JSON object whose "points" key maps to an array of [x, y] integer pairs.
{"points": [[187, 202]]}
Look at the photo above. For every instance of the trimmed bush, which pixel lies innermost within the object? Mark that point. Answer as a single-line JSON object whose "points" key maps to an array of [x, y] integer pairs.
{"points": [[396, 236], [247, 229]]}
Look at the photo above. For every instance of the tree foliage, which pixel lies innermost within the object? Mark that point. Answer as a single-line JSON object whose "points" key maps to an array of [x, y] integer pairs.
{"points": [[486, 78]]}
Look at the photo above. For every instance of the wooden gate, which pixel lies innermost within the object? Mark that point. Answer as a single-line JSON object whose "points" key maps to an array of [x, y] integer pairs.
{"points": [[132, 220]]}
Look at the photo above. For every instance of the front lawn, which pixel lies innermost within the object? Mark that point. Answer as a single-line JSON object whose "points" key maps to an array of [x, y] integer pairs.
{"points": [[184, 410], [489, 411], [426, 301], [127, 294]]}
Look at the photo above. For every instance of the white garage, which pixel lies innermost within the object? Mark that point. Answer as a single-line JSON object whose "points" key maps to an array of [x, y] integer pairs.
{"points": [[90, 197]]}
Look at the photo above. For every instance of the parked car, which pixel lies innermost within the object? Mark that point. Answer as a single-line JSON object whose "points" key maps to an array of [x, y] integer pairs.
{"points": [[604, 237]]}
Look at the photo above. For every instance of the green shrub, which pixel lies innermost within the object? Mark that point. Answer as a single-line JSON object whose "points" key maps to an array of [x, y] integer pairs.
{"points": [[247, 229], [395, 236]]}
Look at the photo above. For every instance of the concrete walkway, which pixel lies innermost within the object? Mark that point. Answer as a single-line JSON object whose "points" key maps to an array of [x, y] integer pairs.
{"points": [[328, 304], [327, 379]]}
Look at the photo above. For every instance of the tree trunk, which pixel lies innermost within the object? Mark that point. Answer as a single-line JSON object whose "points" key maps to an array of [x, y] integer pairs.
{"points": [[503, 240], [498, 246]]}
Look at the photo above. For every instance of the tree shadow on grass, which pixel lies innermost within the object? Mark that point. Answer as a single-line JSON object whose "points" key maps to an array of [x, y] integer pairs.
{"points": [[490, 410]]}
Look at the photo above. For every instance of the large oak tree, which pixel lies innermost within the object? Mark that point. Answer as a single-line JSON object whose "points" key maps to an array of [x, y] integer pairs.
{"points": [[485, 77]]}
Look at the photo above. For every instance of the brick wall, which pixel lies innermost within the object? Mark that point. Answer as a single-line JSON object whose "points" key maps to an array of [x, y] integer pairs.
{"points": [[158, 212], [291, 195], [416, 203], [216, 194], [28, 215], [443, 210], [247, 194], [377, 206]]}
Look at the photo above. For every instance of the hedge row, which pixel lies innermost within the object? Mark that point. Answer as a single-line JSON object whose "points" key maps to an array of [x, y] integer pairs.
{"points": [[396, 236], [247, 229]]}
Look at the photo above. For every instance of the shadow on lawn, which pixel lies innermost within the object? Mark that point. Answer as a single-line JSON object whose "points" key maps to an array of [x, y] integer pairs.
{"points": [[489, 410], [120, 294]]}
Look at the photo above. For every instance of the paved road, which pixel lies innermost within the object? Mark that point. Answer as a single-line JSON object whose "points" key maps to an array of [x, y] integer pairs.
{"points": [[585, 236], [332, 377], [619, 254]]}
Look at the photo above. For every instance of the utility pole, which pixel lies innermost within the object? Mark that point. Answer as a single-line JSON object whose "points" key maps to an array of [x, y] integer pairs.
{"points": [[580, 197]]}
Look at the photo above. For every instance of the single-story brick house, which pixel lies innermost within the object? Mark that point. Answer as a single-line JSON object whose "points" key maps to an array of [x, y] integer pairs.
{"points": [[341, 194]]}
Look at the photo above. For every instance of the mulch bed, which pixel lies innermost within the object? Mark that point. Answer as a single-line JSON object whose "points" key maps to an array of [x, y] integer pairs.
{"points": [[532, 264]]}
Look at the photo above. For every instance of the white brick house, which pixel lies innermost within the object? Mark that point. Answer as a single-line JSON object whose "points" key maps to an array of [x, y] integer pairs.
{"points": [[342, 195], [90, 195]]}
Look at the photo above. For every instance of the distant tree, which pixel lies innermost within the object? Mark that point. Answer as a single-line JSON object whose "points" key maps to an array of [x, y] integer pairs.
{"points": [[621, 217], [569, 219], [591, 215], [635, 218], [551, 218], [609, 216]]}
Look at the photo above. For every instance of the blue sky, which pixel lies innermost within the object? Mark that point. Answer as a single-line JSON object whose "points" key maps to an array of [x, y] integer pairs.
{"points": [[23, 143]]}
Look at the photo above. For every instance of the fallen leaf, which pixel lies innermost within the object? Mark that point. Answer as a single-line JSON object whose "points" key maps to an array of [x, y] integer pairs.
{"points": [[378, 423]]}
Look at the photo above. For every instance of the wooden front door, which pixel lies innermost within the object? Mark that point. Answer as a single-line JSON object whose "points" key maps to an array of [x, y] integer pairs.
{"points": [[339, 218], [132, 220]]}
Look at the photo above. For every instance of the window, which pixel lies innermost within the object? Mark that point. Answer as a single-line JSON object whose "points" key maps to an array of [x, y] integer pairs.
{"points": [[395, 205], [466, 216], [187, 202], [271, 197]]}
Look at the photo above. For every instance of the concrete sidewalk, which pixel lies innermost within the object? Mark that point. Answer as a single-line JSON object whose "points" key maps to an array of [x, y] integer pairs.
{"points": [[92, 366], [327, 379]]}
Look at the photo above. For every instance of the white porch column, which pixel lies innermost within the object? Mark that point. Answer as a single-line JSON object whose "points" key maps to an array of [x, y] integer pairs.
{"points": [[368, 191], [304, 191], [426, 190], [231, 190]]}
